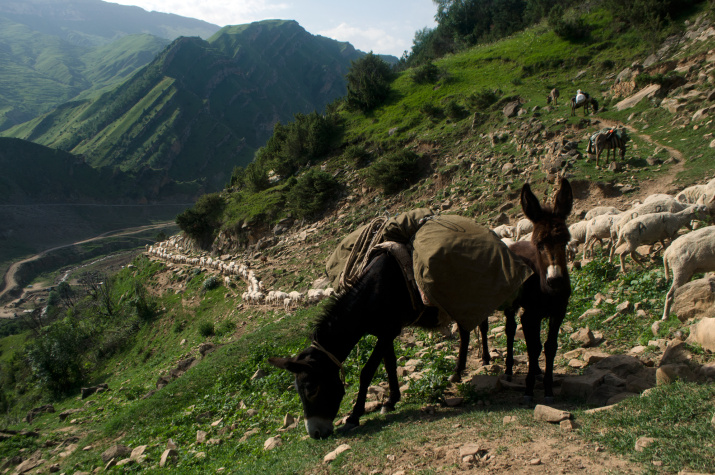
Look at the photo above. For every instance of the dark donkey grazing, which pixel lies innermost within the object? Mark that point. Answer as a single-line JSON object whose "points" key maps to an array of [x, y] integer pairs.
{"points": [[546, 293], [378, 304]]}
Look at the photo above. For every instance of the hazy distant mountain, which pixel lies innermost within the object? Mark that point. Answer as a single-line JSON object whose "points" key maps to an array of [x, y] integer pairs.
{"points": [[201, 107], [53, 50], [94, 22]]}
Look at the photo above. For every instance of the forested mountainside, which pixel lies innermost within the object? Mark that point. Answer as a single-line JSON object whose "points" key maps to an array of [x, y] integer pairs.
{"points": [[54, 50], [201, 107]]}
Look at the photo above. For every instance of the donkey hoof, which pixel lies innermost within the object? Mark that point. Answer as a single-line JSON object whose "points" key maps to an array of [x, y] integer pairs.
{"points": [[455, 378], [549, 399], [386, 409]]}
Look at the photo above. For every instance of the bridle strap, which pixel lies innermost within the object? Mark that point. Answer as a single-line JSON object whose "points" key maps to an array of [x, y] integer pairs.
{"points": [[332, 357]]}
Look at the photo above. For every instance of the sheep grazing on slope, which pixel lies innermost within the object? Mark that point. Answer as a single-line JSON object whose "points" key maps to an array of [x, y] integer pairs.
{"points": [[651, 228], [689, 254], [600, 210], [664, 206], [598, 229], [578, 236], [692, 194], [523, 227]]}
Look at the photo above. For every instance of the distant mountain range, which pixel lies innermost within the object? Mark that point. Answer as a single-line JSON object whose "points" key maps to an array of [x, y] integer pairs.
{"points": [[53, 50], [201, 107]]}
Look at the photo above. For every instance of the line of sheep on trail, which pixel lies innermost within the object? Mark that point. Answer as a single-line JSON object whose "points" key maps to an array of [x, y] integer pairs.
{"points": [[172, 250], [660, 218]]}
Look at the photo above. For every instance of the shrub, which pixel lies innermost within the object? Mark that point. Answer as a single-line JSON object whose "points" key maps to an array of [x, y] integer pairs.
{"points": [[430, 110], [568, 26], [454, 110], [311, 193], [395, 171], [206, 329], [204, 219], [368, 82], [54, 358], [226, 327], [428, 73], [211, 282], [357, 154], [482, 99]]}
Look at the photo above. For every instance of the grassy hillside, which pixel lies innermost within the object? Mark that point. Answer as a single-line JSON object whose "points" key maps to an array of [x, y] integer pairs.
{"points": [[165, 313]]}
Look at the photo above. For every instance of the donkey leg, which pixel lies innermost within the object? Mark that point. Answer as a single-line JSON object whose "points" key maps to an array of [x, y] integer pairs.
{"points": [[531, 325], [483, 331], [550, 348], [366, 375], [462, 357], [510, 330], [390, 361]]}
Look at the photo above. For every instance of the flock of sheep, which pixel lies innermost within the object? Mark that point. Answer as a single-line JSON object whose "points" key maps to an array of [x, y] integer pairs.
{"points": [[659, 218], [172, 250]]}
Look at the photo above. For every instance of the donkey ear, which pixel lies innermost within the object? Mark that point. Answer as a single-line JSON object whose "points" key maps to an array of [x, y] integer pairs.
{"points": [[564, 199], [289, 364], [530, 204]]}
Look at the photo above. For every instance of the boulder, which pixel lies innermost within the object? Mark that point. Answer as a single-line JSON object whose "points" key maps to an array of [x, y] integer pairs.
{"points": [[584, 336], [512, 109], [670, 373], [703, 333], [169, 455], [550, 414], [116, 452], [675, 353], [694, 299], [582, 386], [620, 365], [47, 408]]}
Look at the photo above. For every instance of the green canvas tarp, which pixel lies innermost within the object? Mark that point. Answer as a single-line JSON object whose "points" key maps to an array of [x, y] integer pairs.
{"points": [[462, 268]]}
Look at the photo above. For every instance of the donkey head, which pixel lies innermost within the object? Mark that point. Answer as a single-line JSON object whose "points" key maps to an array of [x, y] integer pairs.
{"points": [[317, 380], [550, 236]]}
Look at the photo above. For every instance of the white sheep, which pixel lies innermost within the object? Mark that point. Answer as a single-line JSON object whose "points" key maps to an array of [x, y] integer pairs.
{"points": [[689, 254], [295, 297], [651, 228], [658, 197], [599, 211], [598, 229], [504, 231], [314, 296], [663, 206], [692, 194], [523, 227], [578, 236]]}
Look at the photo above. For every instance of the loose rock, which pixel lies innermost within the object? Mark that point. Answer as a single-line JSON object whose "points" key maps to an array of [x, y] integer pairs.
{"points": [[334, 454], [550, 414]]}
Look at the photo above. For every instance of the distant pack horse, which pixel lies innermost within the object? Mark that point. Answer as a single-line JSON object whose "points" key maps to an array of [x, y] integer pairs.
{"points": [[380, 304], [587, 104], [609, 141]]}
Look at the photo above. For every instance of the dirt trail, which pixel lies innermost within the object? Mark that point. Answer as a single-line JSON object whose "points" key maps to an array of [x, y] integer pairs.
{"points": [[10, 278]]}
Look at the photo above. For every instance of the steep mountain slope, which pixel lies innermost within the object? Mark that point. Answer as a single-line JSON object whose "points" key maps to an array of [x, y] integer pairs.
{"points": [[54, 50], [201, 108]]}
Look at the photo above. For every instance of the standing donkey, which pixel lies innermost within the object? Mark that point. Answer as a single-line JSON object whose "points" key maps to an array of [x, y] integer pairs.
{"points": [[553, 97], [544, 295]]}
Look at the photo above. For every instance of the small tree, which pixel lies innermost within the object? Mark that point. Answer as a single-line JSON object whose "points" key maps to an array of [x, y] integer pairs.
{"points": [[368, 81], [311, 193], [395, 171]]}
